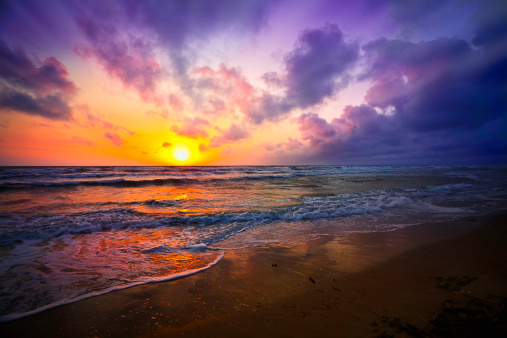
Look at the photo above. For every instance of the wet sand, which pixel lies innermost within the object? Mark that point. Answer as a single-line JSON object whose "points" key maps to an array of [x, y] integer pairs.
{"points": [[442, 279]]}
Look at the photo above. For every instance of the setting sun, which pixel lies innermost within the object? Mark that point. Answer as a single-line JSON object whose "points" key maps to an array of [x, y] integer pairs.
{"points": [[181, 152]]}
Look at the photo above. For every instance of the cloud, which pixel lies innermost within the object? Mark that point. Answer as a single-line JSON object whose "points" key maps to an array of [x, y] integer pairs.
{"points": [[232, 134], [124, 56], [93, 120], [316, 69], [272, 79], [192, 127], [492, 29], [267, 106], [360, 132], [441, 99], [177, 22], [114, 138], [314, 128], [220, 91], [291, 145], [54, 107], [445, 104], [166, 144], [175, 102], [124, 37], [227, 91], [414, 12], [43, 90], [270, 146], [438, 84], [318, 66], [22, 73]]}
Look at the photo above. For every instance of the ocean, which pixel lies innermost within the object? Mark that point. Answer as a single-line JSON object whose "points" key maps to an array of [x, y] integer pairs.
{"points": [[69, 233]]}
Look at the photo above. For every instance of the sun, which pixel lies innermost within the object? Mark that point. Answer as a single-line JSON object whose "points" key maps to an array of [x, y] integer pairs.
{"points": [[181, 152]]}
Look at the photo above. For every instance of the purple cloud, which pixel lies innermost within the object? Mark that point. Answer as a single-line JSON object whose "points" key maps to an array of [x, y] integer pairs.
{"points": [[43, 90], [234, 133], [318, 67], [445, 103], [123, 56], [21, 72], [52, 107], [360, 132], [267, 106], [441, 99], [314, 128], [176, 22], [292, 144], [114, 138], [117, 36], [439, 84]]}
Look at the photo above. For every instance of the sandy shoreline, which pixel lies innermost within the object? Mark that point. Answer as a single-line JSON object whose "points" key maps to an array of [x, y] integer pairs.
{"points": [[417, 281]]}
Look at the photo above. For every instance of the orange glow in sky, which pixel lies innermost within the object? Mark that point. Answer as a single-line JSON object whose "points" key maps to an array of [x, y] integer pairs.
{"points": [[255, 83]]}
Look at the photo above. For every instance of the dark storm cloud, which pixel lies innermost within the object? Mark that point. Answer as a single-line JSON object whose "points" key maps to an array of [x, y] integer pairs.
{"points": [[439, 84], [25, 87], [432, 99], [53, 107], [20, 71]]}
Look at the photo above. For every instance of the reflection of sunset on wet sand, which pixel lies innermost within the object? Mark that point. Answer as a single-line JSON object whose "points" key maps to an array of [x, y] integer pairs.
{"points": [[78, 266]]}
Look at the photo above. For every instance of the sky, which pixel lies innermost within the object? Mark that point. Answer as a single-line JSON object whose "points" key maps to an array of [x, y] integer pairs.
{"points": [[253, 82]]}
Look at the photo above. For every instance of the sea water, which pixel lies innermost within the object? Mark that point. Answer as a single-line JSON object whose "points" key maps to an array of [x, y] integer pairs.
{"points": [[68, 233]]}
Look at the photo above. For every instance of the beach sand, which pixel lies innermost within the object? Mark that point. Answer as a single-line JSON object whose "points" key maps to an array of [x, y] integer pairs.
{"points": [[442, 279]]}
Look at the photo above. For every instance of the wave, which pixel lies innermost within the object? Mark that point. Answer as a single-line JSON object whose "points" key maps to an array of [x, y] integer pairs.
{"points": [[119, 182], [160, 203], [19, 178], [17, 227], [130, 183], [81, 294]]}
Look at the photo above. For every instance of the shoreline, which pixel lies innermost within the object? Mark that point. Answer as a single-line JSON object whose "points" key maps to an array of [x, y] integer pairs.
{"points": [[360, 284]]}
